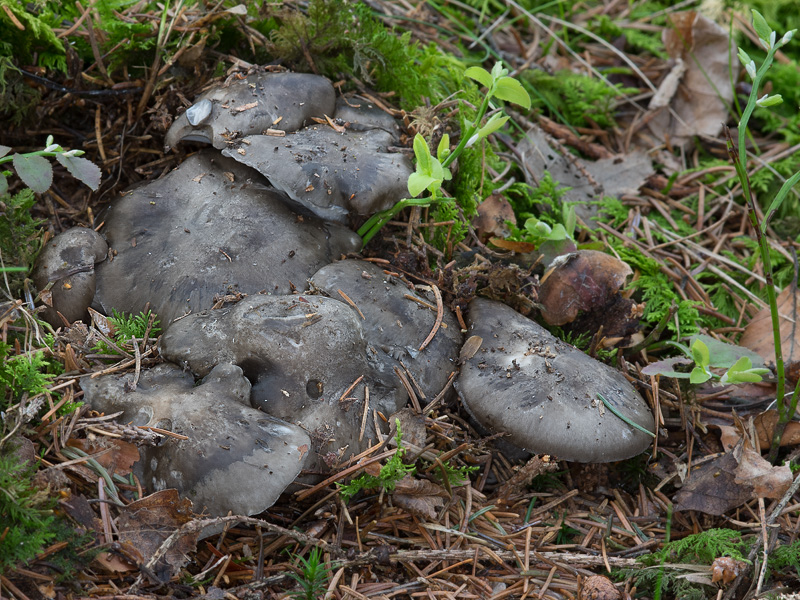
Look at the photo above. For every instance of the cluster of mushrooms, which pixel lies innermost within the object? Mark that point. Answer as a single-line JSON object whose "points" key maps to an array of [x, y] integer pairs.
{"points": [[318, 352]]}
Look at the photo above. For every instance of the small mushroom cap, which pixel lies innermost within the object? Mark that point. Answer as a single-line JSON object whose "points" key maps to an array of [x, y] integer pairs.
{"points": [[332, 174], [68, 261], [206, 229], [236, 458], [301, 353], [251, 105], [544, 392], [395, 325]]}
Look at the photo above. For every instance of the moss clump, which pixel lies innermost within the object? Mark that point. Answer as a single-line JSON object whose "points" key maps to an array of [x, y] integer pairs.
{"points": [[26, 514], [20, 235]]}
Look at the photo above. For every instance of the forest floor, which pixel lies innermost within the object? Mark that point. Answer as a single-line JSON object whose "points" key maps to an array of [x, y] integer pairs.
{"points": [[699, 515]]}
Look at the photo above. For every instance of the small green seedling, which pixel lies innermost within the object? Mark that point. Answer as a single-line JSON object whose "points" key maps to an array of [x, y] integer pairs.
{"points": [[706, 353], [432, 171], [36, 172], [312, 577], [392, 472]]}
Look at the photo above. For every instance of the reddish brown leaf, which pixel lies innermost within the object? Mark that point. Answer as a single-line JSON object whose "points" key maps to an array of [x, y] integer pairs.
{"points": [[118, 460], [146, 523], [758, 334], [492, 216], [765, 426], [753, 471], [521, 247]]}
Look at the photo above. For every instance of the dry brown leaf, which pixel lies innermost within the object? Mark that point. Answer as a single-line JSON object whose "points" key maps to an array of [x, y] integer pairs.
{"points": [[118, 460], [711, 488], [754, 471], [698, 105], [492, 216], [514, 246], [146, 523], [731, 480], [588, 180], [420, 497], [758, 335], [412, 427], [765, 426], [583, 281], [523, 476]]}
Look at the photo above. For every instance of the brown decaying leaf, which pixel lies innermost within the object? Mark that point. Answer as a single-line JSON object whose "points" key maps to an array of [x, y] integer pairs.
{"points": [[731, 480], [512, 245], [758, 334], [146, 523], [765, 426], [420, 497], [492, 216], [583, 281], [754, 471], [119, 460], [598, 587], [523, 476], [698, 105]]}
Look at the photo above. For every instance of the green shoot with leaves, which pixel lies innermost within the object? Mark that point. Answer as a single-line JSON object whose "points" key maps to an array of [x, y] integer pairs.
{"points": [[432, 171], [392, 472], [36, 172], [738, 153], [312, 578]]}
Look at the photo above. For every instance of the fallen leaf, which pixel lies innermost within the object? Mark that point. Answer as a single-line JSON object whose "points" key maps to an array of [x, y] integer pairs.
{"points": [[698, 105], [588, 180], [732, 479], [758, 334], [101, 322], [492, 215], [412, 427], [419, 497], [767, 481], [118, 460], [146, 523], [512, 245], [765, 426], [583, 281], [669, 367], [524, 475], [711, 488]]}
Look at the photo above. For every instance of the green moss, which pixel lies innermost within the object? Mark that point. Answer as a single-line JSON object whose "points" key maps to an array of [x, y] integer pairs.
{"points": [[20, 235], [579, 98], [342, 39], [636, 39], [24, 509]]}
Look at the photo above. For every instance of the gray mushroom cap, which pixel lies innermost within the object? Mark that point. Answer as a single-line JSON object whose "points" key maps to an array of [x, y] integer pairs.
{"points": [[301, 353], [68, 261], [360, 115], [394, 324], [209, 228], [544, 392], [332, 174], [251, 105], [236, 458]]}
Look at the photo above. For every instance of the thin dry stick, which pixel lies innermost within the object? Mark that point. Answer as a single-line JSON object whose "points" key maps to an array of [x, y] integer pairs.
{"points": [[439, 317]]}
